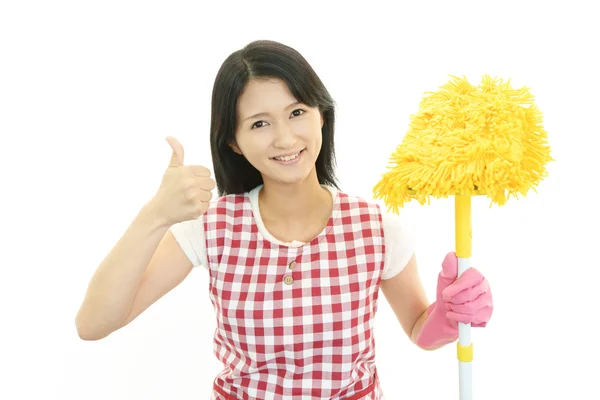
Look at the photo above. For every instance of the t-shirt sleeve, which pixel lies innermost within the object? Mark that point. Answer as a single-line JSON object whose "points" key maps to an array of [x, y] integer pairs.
{"points": [[399, 244], [190, 236]]}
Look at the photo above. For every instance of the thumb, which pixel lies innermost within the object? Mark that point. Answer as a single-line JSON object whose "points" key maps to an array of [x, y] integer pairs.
{"points": [[177, 157], [450, 266], [447, 275]]}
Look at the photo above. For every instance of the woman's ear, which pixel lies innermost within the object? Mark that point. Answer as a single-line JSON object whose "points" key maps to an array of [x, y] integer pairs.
{"points": [[235, 148]]}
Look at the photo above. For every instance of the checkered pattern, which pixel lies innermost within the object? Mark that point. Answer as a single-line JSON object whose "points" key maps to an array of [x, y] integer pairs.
{"points": [[308, 339]]}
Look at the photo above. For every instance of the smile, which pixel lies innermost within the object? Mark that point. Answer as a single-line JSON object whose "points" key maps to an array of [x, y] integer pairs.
{"points": [[288, 158]]}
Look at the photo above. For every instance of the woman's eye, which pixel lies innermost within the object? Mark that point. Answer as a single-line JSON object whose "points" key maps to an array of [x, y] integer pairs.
{"points": [[257, 124], [260, 124]]}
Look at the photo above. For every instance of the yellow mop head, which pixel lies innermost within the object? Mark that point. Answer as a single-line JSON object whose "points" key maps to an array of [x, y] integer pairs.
{"points": [[468, 140]]}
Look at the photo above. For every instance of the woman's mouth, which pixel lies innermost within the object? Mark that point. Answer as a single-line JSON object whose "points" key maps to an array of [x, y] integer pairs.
{"points": [[289, 159]]}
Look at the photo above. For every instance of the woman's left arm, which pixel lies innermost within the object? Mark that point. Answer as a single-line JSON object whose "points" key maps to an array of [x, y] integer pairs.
{"points": [[467, 299], [406, 295]]}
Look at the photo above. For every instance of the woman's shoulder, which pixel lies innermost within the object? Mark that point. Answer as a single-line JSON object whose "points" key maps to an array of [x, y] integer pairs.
{"points": [[363, 200], [388, 216], [228, 199]]}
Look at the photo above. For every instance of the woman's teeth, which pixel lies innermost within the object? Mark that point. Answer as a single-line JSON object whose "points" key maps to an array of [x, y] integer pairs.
{"points": [[288, 158]]}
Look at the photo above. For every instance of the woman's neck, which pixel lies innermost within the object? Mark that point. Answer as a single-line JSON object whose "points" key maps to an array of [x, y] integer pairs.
{"points": [[295, 204]]}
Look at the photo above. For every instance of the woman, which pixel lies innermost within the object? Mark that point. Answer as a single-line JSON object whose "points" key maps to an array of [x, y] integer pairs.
{"points": [[295, 264]]}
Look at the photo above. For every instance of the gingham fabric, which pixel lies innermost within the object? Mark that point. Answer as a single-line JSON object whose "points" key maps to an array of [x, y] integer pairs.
{"points": [[295, 322]]}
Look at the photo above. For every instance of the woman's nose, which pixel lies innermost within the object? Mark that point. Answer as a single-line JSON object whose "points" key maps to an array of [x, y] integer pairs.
{"points": [[284, 137]]}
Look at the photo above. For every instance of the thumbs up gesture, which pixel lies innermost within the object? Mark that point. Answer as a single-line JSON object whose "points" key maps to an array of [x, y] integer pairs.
{"points": [[185, 191]]}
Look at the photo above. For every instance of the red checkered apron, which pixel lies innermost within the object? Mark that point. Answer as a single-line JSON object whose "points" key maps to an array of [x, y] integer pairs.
{"points": [[295, 322]]}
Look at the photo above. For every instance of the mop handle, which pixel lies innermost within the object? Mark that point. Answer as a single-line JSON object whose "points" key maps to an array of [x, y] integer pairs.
{"points": [[463, 252]]}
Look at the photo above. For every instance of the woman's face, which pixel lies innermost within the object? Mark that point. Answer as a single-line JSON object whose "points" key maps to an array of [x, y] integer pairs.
{"points": [[278, 135]]}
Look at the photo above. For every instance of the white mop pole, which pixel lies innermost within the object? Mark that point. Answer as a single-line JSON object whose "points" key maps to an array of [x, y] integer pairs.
{"points": [[465, 368], [463, 252]]}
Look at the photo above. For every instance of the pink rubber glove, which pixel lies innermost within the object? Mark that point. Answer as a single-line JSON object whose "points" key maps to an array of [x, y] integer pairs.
{"points": [[467, 299]]}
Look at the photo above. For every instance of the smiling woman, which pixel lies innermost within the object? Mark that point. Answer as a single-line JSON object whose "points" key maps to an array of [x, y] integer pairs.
{"points": [[295, 264]]}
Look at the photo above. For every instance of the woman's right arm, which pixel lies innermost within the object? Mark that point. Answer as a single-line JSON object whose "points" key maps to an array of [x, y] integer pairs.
{"points": [[145, 264]]}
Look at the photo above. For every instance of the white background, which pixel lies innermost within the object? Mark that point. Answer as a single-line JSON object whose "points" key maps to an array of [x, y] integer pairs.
{"points": [[89, 91]]}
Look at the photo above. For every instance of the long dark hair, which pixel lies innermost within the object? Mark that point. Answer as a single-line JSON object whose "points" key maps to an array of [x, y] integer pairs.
{"points": [[264, 59]]}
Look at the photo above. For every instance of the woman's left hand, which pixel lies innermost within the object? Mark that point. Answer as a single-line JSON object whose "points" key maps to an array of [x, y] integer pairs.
{"points": [[468, 298]]}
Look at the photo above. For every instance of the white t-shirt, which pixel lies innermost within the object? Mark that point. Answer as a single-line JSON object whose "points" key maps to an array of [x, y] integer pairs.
{"points": [[399, 246]]}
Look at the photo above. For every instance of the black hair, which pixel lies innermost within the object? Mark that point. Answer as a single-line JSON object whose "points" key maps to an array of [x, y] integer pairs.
{"points": [[264, 59]]}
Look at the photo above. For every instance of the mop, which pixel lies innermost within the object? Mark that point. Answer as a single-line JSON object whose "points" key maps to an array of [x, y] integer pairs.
{"points": [[465, 141]]}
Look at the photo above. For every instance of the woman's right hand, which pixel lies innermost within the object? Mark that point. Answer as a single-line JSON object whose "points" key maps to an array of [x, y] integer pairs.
{"points": [[185, 191]]}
